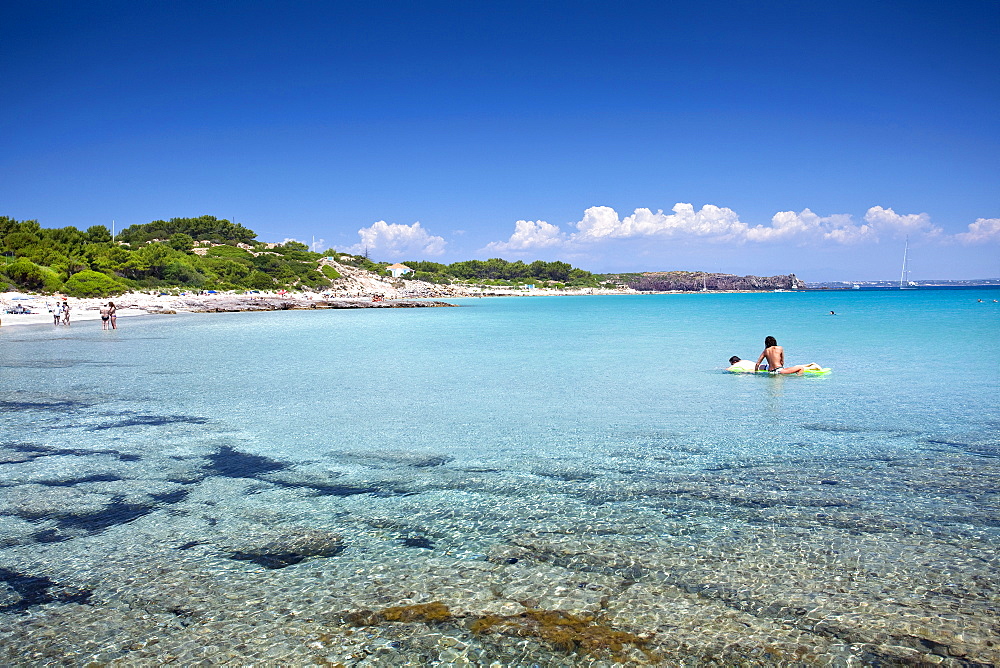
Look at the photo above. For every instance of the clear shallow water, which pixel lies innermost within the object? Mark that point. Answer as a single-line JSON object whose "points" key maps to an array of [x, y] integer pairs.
{"points": [[237, 487]]}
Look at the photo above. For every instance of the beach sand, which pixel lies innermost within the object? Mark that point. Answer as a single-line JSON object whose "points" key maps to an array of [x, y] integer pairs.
{"points": [[139, 303], [81, 310], [87, 311]]}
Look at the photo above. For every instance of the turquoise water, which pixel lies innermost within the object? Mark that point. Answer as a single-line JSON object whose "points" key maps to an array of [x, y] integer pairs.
{"points": [[237, 487]]}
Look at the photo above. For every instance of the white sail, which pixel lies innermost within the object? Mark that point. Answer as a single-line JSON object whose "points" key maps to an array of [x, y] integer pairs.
{"points": [[904, 283]]}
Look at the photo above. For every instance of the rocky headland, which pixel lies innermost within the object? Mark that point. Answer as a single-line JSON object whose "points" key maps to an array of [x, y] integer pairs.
{"points": [[688, 281]]}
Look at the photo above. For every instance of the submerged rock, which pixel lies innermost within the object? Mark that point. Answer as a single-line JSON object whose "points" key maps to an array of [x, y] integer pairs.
{"points": [[291, 546], [398, 458]]}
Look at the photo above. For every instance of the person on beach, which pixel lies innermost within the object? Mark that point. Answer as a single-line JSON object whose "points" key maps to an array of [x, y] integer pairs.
{"points": [[56, 312], [113, 314], [65, 313], [105, 316]]}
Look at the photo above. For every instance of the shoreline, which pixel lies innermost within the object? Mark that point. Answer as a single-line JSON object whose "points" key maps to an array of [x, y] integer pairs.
{"points": [[134, 304], [137, 304]]}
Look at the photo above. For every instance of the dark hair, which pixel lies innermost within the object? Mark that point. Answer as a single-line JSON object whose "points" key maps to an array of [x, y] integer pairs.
{"points": [[734, 359], [770, 341]]}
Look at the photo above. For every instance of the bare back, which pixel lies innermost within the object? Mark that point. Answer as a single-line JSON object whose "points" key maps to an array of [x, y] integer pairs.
{"points": [[775, 356]]}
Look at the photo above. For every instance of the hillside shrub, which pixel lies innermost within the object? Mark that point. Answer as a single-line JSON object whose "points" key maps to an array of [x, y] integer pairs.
{"points": [[258, 280], [88, 283], [229, 252], [27, 275]]}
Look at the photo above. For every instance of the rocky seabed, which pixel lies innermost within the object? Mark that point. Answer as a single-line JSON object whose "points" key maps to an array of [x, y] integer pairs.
{"points": [[202, 553]]}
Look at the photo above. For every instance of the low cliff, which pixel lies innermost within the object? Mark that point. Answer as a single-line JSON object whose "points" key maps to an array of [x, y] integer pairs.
{"points": [[687, 281]]}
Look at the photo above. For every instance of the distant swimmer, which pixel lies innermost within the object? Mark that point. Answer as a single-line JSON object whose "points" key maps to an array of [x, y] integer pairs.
{"points": [[832, 313]]}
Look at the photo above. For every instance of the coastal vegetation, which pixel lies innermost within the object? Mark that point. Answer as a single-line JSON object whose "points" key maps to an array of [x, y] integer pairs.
{"points": [[496, 271], [209, 253]]}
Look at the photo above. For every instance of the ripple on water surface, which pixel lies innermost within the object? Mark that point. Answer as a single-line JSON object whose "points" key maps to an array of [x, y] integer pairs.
{"points": [[209, 519]]}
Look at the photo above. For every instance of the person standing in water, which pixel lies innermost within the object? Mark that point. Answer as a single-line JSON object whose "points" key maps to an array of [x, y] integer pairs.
{"points": [[65, 311], [113, 314], [105, 315]]}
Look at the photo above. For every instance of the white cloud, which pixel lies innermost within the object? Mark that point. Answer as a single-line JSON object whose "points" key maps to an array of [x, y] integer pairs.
{"points": [[984, 230], [808, 226], [602, 222], [396, 240], [529, 235], [889, 222], [721, 224]]}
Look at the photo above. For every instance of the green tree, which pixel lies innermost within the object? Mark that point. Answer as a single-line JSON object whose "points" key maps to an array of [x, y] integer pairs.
{"points": [[228, 271], [75, 261], [202, 228], [20, 241], [181, 242], [180, 273], [107, 258], [258, 280], [98, 234], [558, 271]]}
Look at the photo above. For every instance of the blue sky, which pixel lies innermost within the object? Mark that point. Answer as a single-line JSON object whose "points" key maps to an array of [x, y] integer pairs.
{"points": [[743, 137]]}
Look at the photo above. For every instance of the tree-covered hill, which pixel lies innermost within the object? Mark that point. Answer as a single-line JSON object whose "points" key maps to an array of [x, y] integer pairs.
{"points": [[208, 253], [181, 252]]}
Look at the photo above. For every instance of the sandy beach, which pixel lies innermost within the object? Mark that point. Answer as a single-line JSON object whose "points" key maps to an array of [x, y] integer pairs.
{"points": [[131, 304], [81, 310], [87, 311]]}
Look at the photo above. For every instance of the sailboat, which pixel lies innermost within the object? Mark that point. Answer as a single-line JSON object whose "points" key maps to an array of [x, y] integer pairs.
{"points": [[904, 284]]}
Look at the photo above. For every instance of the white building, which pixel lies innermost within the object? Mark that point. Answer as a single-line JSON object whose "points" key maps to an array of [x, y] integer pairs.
{"points": [[398, 270]]}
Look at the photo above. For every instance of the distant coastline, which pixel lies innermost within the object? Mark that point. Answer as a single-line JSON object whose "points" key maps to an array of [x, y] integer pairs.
{"points": [[894, 285]]}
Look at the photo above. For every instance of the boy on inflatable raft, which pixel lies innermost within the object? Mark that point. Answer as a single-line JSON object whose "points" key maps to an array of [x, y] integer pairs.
{"points": [[775, 356]]}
